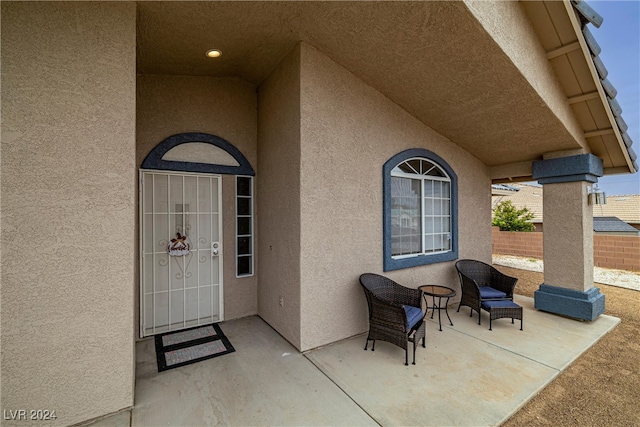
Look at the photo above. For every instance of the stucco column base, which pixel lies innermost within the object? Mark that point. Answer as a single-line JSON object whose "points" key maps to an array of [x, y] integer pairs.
{"points": [[587, 305]]}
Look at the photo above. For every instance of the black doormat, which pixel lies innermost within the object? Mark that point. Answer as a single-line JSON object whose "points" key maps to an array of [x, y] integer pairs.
{"points": [[180, 348]]}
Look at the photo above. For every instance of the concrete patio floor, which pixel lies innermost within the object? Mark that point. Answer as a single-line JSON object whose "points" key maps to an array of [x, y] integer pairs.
{"points": [[466, 376]]}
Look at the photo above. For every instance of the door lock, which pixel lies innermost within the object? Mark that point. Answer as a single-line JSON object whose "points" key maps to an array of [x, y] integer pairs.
{"points": [[215, 249]]}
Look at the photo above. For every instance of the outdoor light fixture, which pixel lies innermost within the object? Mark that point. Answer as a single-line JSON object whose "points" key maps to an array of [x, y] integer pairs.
{"points": [[214, 53], [597, 197]]}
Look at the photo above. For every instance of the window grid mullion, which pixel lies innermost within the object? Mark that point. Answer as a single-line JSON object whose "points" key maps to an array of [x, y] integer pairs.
{"points": [[423, 216]]}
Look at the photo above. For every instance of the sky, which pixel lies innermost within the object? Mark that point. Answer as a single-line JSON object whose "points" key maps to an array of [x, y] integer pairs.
{"points": [[619, 38]]}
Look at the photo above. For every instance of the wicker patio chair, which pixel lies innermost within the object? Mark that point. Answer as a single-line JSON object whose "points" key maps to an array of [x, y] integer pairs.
{"points": [[395, 313], [481, 282]]}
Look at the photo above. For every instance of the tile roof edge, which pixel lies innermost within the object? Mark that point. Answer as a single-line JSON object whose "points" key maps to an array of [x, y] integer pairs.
{"points": [[589, 15]]}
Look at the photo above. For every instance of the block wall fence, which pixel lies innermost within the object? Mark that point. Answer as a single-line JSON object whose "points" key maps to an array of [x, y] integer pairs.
{"points": [[619, 252]]}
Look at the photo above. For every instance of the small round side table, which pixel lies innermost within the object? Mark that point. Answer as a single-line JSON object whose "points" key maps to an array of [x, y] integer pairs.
{"points": [[436, 291]]}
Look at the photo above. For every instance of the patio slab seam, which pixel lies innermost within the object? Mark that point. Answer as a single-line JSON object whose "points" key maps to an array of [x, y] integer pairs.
{"points": [[338, 385]]}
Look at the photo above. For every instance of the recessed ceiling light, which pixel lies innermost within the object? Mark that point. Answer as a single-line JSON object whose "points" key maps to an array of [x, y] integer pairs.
{"points": [[214, 53]]}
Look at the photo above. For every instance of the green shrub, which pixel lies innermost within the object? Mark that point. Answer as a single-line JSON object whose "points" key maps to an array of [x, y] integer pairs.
{"points": [[509, 218]]}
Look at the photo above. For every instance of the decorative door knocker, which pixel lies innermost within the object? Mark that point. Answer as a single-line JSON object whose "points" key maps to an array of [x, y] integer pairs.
{"points": [[179, 246]]}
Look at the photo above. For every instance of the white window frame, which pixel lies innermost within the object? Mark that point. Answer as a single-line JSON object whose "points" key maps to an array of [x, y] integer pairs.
{"points": [[251, 235], [390, 170], [422, 178]]}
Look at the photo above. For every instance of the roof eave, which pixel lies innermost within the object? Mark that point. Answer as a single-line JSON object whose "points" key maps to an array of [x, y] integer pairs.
{"points": [[572, 8]]}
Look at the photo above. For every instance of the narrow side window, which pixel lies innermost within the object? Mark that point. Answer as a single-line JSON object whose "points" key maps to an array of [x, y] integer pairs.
{"points": [[244, 226]]}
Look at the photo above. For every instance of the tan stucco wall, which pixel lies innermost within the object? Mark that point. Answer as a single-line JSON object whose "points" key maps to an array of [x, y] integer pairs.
{"points": [[225, 107], [279, 198], [568, 236], [348, 131], [508, 25], [68, 208]]}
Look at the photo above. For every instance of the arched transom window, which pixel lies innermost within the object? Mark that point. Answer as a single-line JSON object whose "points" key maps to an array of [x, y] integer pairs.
{"points": [[420, 210]]}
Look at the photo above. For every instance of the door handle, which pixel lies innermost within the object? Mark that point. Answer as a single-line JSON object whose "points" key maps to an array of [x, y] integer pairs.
{"points": [[215, 249]]}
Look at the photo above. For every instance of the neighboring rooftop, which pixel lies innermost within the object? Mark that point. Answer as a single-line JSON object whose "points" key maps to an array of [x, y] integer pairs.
{"points": [[503, 189], [611, 224], [525, 195], [626, 208]]}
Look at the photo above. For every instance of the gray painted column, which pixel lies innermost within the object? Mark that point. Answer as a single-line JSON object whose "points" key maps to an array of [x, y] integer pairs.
{"points": [[568, 237]]}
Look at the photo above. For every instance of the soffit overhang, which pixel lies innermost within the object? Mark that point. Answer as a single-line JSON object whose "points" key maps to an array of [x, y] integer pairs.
{"points": [[563, 28], [432, 58]]}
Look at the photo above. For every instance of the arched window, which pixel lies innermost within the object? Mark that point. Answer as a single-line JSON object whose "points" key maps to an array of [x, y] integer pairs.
{"points": [[420, 210], [198, 152]]}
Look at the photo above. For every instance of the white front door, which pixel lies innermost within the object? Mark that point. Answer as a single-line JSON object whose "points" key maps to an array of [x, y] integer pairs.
{"points": [[180, 251]]}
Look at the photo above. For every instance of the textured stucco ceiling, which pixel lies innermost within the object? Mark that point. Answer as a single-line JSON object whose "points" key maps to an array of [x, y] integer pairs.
{"points": [[432, 58]]}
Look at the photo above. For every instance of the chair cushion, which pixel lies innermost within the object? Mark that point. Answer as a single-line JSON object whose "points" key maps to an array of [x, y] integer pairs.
{"points": [[505, 303], [487, 292], [414, 314]]}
